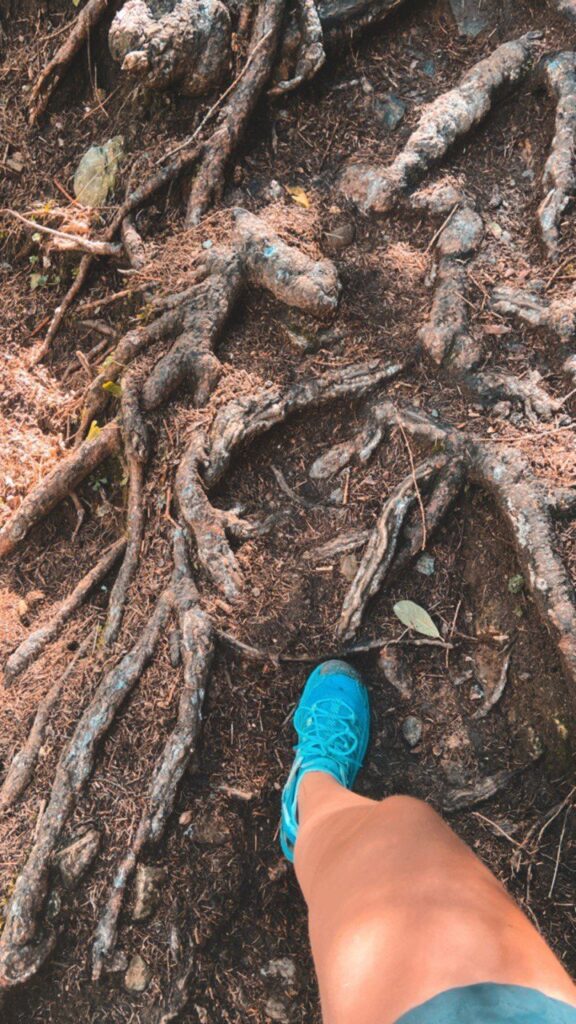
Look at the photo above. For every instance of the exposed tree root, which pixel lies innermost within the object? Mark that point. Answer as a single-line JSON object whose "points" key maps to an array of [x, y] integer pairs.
{"points": [[234, 426], [186, 44], [311, 53], [64, 478], [22, 766], [534, 308], [233, 120], [54, 71], [442, 122], [559, 177], [197, 647], [471, 796], [382, 545], [493, 386], [36, 642], [22, 951]]}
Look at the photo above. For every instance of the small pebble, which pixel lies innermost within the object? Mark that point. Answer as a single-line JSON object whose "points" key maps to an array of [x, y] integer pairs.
{"points": [[137, 977], [412, 730]]}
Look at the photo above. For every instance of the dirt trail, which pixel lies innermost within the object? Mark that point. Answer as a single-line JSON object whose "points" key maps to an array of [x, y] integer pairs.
{"points": [[229, 904]]}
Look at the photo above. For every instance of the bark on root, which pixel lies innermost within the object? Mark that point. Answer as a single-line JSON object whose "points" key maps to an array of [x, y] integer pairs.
{"points": [[559, 177], [209, 454], [187, 45], [22, 949], [54, 71], [64, 478], [533, 307], [197, 648], [442, 122]]}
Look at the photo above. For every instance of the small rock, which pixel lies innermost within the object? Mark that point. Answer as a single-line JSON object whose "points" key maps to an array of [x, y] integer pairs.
{"points": [[339, 237], [426, 565], [391, 663], [429, 68], [16, 162], [469, 17], [438, 198], [118, 963], [146, 891], [389, 111], [348, 567], [462, 235], [495, 199], [185, 818], [476, 692], [282, 968], [137, 977], [278, 1010], [412, 730], [77, 858], [97, 171]]}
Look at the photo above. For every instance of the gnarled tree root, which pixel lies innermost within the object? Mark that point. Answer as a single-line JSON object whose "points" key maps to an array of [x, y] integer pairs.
{"points": [[197, 648], [36, 642], [234, 426], [559, 177], [533, 307], [442, 122], [22, 951], [54, 71]]}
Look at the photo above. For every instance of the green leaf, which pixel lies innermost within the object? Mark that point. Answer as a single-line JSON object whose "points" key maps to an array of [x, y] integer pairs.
{"points": [[416, 618], [112, 388], [94, 431], [37, 281]]}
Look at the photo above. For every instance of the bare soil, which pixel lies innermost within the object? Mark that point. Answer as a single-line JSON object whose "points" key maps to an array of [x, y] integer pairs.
{"points": [[229, 901]]}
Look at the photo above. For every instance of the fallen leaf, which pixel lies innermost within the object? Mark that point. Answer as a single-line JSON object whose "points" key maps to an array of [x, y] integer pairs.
{"points": [[416, 618], [112, 388], [299, 196], [94, 431]]}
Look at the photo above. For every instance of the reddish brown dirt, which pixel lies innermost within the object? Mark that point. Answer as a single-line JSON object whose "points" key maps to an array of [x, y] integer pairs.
{"points": [[227, 892]]}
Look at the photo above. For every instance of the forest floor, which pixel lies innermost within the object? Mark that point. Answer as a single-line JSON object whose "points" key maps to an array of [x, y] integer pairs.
{"points": [[228, 897]]}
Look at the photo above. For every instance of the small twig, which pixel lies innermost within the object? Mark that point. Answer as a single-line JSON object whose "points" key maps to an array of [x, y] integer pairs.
{"points": [[257, 654], [435, 237], [496, 694], [557, 864], [416, 488], [89, 245]]}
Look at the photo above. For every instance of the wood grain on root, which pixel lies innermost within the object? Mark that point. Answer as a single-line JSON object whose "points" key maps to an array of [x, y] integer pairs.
{"points": [[442, 122], [36, 642], [22, 949], [58, 484], [197, 648]]}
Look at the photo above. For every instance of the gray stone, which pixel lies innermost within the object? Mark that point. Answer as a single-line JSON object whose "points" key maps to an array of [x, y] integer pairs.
{"points": [[282, 968], [278, 1010], [469, 17], [75, 859], [426, 565], [389, 111], [412, 730], [137, 977], [146, 891], [339, 237], [462, 235]]}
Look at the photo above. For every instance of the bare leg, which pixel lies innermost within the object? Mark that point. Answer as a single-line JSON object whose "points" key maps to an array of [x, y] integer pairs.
{"points": [[400, 909]]}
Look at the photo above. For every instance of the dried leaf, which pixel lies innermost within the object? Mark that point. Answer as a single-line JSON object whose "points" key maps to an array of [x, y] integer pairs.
{"points": [[416, 618], [112, 388], [94, 431], [299, 196]]}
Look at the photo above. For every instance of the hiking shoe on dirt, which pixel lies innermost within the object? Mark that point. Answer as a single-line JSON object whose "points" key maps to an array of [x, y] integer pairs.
{"points": [[332, 722]]}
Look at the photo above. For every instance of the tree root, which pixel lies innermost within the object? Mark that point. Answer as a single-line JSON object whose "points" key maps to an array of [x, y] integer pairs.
{"points": [[22, 952], [186, 45], [197, 648], [54, 71], [209, 179], [533, 307], [63, 479], [311, 53], [36, 642], [442, 122], [470, 796], [492, 386], [21, 769], [382, 545], [559, 177], [235, 425]]}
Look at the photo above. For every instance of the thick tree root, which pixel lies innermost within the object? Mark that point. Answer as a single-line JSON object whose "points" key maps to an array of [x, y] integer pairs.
{"points": [[197, 648], [209, 179], [22, 766], [186, 44], [32, 647], [55, 69], [559, 177], [533, 307], [22, 951], [382, 546], [311, 53], [255, 256], [494, 386], [234, 426], [64, 478], [442, 122]]}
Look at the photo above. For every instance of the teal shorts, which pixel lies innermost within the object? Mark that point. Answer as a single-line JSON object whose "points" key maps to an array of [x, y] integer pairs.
{"points": [[491, 1004]]}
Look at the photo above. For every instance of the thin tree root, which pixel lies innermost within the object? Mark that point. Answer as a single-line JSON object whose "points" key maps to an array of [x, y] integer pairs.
{"points": [[54, 71], [21, 770], [471, 796], [382, 546], [559, 177], [442, 122], [197, 648], [36, 642], [22, 950], [532, 306], [234, 117], [57, 485], [493, 386], [236, 425]]}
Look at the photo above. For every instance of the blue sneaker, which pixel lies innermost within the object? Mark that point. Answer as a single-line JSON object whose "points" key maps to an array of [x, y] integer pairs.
{"points": [[332, 721]]}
